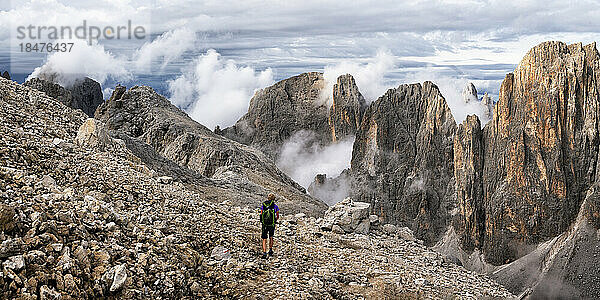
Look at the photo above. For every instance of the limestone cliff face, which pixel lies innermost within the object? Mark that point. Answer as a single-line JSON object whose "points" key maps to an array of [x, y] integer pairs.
{"points": [[347, 108], [84, 94], [468, 173], [541, 148], [277, 112], [402, 161]]}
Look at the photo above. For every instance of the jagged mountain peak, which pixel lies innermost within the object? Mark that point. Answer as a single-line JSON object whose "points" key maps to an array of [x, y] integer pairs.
{"points": [[83, 93], [469, 93], [277, 112]]}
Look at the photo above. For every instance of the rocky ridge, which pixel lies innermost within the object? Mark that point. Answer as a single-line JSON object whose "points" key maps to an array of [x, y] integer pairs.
{"points": [[154, 129], [85, 94], [83, 217], [402, 160], [296, 104]]}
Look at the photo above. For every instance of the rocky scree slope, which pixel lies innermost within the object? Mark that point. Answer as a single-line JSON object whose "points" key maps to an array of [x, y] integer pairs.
{"points": [[143, 118], [82, 217]]}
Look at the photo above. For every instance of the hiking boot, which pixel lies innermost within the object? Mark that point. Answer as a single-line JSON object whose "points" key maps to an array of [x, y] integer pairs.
{"points": [[271, 252]]}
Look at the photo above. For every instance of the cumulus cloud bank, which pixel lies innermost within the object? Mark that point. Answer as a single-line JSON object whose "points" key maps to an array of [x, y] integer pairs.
{"points": [[451, 88], [96, 62], [302, 157], [369, 77], [92, 61], [215, 91], [169, 47]]}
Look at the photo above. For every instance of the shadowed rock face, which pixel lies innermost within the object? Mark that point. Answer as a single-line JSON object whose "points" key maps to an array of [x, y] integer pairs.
{"points": [[85, 94], [402, 161], [277, 112], [541, 148]]}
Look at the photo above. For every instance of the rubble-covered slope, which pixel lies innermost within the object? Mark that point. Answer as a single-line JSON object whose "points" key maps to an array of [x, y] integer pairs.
{"points": [[142, 118], [82, 217]]}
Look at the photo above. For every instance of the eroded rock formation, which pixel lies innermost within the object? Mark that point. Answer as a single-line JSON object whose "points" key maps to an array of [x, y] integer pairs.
{"points": [[468, 173], [295, 104], [84, 94], [347, 108], [511, 189], [402, 162], [541, 150]]}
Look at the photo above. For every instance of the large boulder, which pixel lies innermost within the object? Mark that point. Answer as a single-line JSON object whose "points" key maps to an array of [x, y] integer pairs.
{"points": [[349, 215], [93, 133]]}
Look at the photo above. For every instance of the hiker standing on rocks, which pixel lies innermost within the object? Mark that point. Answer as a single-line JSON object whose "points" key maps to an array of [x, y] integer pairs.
{"points": [[269, 214]]}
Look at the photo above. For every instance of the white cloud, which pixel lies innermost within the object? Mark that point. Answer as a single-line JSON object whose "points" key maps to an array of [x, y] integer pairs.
{"points": [[169, 46], [84, 60], [96, 62], [215, 91], [302, 157], [451, 88], [369, 77]]}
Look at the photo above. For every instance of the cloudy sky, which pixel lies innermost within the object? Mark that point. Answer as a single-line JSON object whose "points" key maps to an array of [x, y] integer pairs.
{"points": [[209, 57]]}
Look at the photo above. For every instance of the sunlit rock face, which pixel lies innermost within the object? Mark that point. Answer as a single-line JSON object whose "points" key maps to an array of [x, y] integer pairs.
{"points": [[347, 108], [468, 164], [402, 161], [541, 148]]}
